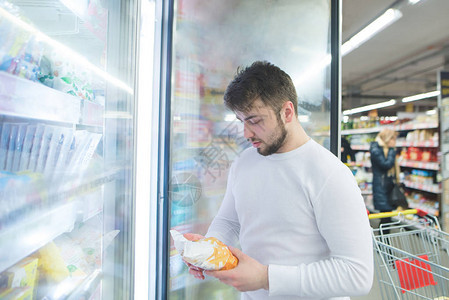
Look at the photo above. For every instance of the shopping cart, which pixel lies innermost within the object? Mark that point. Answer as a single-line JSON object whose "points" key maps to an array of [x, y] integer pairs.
{"points": [[411, 256]]}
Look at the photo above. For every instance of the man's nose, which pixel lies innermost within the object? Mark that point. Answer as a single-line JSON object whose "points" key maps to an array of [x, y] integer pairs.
{"points": [[247, 133]]}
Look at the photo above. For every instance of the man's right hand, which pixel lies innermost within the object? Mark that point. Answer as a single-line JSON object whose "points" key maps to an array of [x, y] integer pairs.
{"points": [[195, 271]]}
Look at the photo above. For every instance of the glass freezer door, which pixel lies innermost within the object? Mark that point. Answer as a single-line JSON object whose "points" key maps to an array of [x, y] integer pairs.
{"points": [[66, 148], [211, 39]]}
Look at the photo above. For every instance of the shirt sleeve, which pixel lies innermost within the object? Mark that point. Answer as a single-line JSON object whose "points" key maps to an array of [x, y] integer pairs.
{"points": [[343, 222], [225, 226]]}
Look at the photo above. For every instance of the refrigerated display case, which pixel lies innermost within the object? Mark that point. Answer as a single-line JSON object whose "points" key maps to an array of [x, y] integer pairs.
{"points": [[67, 74], [206, 42]]}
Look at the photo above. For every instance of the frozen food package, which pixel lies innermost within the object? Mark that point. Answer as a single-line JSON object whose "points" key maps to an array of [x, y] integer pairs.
{"points": [[93, 143], [51, 263], [37, 140], [4, 140], [208, 253], [61, 160], [43, 151], [81, 143], [21, 130], [53, 149], [11, 147], [26, 148]]}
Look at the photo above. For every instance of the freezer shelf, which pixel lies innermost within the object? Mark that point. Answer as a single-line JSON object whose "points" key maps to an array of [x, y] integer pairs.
{"points": [[42, 227], [24, 98], [23, 239]]}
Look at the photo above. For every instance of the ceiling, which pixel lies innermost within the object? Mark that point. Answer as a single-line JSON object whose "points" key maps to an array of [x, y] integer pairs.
{"points": [[400, 61]]}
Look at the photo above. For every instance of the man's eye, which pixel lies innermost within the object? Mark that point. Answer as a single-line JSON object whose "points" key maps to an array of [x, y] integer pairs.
{"points": [[254, 121]]}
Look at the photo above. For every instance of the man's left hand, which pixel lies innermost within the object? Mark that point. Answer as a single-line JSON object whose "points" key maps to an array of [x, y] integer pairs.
{"points": [[249, 275]]}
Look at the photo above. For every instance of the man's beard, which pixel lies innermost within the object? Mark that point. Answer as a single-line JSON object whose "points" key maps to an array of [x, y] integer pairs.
{"points": [[279, 140]]}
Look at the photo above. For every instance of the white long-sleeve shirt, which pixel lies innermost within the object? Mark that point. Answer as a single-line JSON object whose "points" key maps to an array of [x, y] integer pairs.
{"points": [[302, 214]]}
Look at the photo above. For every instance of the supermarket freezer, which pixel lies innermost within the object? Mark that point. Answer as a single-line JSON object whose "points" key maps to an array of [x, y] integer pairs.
{"points": [[67, 148], [206, 42]]}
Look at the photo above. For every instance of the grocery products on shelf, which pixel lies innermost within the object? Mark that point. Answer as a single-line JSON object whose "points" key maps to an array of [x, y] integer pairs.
{"points": [[417, 148], [24, 54], [53, 179], [45, 149]]}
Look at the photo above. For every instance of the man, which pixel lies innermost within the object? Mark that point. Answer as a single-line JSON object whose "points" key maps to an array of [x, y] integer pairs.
{"points": [[294, 207]]}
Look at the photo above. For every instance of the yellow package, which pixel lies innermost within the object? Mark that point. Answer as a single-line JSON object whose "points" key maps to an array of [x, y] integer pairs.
{"points": [[208, 253], [22, 278], [51, 264], [18, 293]]}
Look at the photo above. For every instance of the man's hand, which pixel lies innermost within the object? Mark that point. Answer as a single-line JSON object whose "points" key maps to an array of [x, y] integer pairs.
{"points": [[195, 271], [249, 275]]}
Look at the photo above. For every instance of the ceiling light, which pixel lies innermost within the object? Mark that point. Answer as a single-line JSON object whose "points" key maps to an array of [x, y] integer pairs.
{"points": [[421, 96], [413, 1], [386, 19], [369, 107]]}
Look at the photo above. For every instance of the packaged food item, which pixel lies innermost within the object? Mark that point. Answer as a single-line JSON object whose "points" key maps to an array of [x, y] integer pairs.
{"points": [[21, 280], [208, 253], [26, 148], [4, 140], [43, 151], [35, 147], [21, 130], [54, 147], [51, 263], [11, 147], [61, 160]]}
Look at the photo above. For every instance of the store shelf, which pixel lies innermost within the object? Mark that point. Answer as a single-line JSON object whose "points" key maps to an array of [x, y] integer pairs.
{"points": [[360, 147], [414, 126], [24, 98], [87, 288], [401, 127], [33, 233], [360, 130], [431, 211], [431, 188], [420, 165], [366, 164], [422, 144], [43, 226], [27, 99]]}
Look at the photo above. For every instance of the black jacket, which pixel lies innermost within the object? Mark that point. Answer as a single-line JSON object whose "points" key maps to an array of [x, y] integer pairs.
{"points": [[380, 167]]}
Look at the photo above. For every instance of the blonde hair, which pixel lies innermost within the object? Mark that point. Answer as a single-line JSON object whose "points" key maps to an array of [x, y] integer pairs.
{"points": [[385, 135]]}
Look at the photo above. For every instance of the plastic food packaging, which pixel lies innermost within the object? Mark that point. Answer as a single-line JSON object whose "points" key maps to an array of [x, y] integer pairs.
{"points": [[208, 253]]}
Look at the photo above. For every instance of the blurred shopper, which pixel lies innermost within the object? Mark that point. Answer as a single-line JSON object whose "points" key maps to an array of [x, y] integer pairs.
{"points": [[346, 151], [383, 158], [294, 207]]}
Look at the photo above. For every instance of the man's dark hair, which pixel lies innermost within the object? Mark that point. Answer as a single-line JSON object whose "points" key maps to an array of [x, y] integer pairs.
{"points": [[261, 80]]}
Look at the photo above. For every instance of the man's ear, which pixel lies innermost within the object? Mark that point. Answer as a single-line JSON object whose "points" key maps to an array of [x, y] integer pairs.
{"points": [[288, 111]]}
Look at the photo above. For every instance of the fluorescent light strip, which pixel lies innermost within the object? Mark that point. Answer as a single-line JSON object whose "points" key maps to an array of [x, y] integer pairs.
{"points": [[412, 2], [66, 50], [314, 69], [421, 96], [369, 107], [386, 19]]}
